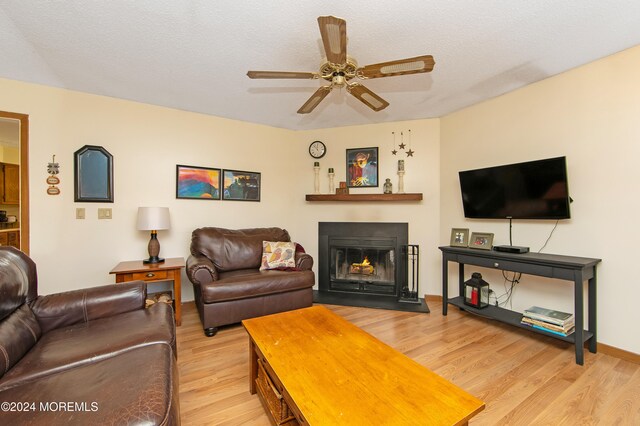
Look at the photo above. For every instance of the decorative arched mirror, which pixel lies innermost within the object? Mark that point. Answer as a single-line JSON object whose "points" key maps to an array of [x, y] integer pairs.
{"points": [[93, 174]]}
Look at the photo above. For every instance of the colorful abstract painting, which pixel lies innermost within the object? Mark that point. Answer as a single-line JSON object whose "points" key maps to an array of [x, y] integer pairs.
{"points": [[200, 183]]}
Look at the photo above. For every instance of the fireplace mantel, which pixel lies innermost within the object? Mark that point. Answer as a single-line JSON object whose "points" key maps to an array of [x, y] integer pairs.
{"points": [[364, 197]]}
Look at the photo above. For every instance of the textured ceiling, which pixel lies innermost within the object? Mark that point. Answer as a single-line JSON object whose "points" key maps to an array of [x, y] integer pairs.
{"points": [[194, 55]]}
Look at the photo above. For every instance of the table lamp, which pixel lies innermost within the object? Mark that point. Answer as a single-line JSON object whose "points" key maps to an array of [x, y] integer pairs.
{"points": [[153, 219]]}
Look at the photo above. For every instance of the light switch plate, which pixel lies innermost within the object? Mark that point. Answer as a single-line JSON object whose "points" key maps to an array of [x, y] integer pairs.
{"points": [[104, 213]]}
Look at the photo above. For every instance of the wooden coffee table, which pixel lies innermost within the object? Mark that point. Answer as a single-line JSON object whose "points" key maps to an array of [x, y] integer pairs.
{"points": [[311, 366]]}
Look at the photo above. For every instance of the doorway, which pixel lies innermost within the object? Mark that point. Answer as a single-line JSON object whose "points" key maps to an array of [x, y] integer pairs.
{"points": [[9, 121]]}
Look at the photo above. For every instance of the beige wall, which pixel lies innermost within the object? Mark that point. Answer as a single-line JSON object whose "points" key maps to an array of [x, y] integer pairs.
{"points": [[590, 115], [146, 143], [422, 175]]}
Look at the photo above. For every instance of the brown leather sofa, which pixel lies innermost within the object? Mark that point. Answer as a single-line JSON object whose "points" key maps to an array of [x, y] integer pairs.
{"points": [[90, 356], [224, 268]]}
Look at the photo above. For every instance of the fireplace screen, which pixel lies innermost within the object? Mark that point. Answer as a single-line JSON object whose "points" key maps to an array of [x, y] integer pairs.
{"points": [[363, 269]]}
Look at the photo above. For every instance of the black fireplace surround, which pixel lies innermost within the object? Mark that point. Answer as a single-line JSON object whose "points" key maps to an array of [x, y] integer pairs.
{"points": [[363, 264]]}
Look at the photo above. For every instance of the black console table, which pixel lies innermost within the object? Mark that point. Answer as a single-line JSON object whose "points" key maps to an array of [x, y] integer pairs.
{"points": [[576, 269]]}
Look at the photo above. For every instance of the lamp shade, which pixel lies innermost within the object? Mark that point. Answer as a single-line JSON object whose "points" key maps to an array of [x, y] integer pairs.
{"points": [[153, 218]]}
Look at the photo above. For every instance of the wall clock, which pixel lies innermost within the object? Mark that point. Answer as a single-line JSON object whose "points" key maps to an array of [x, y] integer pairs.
{"points": [[317, 149]]}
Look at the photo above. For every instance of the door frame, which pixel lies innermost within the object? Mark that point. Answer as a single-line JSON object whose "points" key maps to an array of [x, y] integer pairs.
{"points": [[24, 176]]}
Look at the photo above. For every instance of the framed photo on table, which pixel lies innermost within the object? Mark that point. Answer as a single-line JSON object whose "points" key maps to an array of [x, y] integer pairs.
{"points": [[481, 240], [459, 237]]}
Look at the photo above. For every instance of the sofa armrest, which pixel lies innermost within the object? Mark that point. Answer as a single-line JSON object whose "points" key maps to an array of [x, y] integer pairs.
{"points": [[304, 261], [76, 306], [200, 270]]}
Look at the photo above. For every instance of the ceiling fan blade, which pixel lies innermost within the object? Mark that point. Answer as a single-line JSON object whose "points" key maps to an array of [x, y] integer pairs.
{"points": [[367, 97], [281, 74], [334, 38], [314, 100], [415, 65]]}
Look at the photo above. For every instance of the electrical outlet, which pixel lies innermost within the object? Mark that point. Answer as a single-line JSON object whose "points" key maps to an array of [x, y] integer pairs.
{"points": [[104, 213], [80, 213]]}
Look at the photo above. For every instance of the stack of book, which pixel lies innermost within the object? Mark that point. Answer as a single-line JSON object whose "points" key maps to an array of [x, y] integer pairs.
{"points": [[556, 322]]}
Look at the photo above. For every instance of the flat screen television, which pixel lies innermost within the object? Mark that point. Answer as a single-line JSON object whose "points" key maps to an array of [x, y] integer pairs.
{"points": [[530, 190]]}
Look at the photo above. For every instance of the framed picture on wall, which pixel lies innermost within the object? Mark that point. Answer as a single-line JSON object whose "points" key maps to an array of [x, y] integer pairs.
{"points": [[197, 183], [362, 167], [93, 175], [241, 186]]}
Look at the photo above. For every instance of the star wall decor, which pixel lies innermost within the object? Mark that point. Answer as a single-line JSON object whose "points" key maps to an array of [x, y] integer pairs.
{"points": [[402, 145]]}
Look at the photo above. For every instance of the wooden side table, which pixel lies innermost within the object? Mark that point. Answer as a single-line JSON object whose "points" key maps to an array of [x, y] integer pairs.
{"points": [[168, 270]]}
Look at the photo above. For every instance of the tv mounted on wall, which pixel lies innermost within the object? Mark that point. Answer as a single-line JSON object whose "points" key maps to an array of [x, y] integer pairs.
{"points": [[530, 190]]}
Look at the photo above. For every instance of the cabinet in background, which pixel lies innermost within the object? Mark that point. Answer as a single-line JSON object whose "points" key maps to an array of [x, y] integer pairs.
{"points": [[9, 184], [10, 238]]}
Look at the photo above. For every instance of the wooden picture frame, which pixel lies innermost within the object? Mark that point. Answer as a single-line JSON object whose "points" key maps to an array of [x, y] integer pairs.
{"points": [[239, 185], [362, 167], [459, 237], [93, 175], [481, 240], [197, 183]]}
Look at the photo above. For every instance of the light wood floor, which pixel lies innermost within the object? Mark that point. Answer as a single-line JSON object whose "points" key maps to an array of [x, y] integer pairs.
{"points": [[523, 378]]}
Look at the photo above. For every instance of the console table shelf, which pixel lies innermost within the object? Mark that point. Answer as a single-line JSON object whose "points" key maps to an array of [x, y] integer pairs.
{"points": [[364, 197], [570, 268], [512, 318]]}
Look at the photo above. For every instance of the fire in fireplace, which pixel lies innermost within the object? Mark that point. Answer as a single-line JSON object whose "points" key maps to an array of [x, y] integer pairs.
{"points": [[362, 269]]}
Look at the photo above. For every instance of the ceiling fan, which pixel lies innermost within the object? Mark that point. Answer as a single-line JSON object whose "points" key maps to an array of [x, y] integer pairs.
{"points": [[339, 68]]}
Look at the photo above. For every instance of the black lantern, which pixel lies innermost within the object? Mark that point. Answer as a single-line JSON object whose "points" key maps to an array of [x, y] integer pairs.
{"points": [[476, 291]]}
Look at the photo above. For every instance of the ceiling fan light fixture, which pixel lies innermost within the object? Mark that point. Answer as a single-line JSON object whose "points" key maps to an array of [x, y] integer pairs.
{"points": [[339, 80], [338, 68]]}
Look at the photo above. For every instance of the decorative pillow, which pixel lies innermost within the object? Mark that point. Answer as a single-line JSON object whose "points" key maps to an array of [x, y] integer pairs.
{"points": [[278, 255]]}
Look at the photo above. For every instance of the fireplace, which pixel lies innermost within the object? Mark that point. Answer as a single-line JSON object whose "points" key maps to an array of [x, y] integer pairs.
{"points": [[364, 264]]}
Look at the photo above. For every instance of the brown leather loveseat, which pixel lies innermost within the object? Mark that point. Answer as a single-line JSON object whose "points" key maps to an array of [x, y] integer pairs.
{"points": [[91, 356], [228, 284]]}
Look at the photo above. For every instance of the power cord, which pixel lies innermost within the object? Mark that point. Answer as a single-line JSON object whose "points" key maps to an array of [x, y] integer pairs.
{"points": [[549, 237], [506, 297]]}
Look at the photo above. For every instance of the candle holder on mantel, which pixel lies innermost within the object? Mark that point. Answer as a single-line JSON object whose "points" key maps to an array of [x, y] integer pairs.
{"points": [[316, 182], [400, 176], [332, 184]]}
